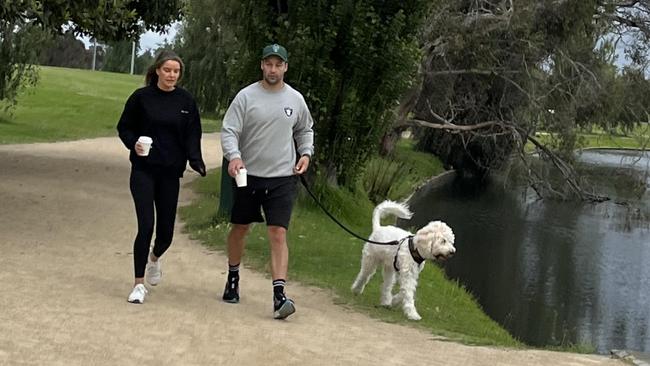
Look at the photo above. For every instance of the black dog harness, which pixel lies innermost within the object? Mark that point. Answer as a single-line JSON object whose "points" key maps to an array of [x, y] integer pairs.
{"points": [[414, 252]]}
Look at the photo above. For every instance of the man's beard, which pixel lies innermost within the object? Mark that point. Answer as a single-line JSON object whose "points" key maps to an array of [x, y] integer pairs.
{"points": [[272, 81]]}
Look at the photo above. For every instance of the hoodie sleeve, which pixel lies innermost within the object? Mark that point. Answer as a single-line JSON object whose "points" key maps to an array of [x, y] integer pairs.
{"points": [[127, 126], [231, 128], [303, 133], [194, 133]]}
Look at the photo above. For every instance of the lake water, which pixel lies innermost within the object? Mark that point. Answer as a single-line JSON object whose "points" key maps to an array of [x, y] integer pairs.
{"points": [[554, 272]]}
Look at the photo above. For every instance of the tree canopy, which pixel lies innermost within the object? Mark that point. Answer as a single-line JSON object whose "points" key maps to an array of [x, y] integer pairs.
{"points": [[475, 79], [351, 59], [110, 20], [497, 72], [492, 73], [25, 23], [66, 50]]}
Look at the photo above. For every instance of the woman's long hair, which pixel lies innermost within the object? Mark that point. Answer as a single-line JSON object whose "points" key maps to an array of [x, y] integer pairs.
{"points": [[151, 78]]}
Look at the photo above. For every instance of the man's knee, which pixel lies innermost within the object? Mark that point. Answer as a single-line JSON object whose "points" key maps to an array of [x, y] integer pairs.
{"points": [[239, 230], [277, 235]]}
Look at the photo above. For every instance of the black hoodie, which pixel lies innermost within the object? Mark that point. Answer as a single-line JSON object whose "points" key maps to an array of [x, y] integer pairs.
{"points": [[171, 119]]}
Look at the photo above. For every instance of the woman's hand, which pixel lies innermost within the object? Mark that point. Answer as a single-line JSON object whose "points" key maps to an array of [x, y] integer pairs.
{"points": [[139, 148], [198, 166]]}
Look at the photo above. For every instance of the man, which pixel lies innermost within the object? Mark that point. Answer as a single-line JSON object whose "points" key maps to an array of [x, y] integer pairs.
{"points": [[264, 126]]}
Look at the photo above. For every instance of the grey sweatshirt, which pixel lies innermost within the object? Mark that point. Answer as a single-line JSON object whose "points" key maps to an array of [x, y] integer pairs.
{"points": [[260, 127]]}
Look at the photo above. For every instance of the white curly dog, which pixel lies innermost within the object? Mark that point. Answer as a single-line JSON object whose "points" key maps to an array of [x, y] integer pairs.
{"points": [[406, 259]]}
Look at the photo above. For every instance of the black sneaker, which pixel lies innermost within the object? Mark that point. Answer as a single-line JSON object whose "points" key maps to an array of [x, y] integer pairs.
{"points": [[231, 292], [283, 307]]}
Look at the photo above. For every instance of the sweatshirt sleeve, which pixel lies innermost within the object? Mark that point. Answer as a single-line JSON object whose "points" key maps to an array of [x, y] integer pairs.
{"points": [[127, 126], [303, 133], [231, 128], [194, 132]]}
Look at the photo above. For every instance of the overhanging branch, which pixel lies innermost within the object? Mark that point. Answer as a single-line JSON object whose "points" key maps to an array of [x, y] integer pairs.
{"points": [[507, 127]]}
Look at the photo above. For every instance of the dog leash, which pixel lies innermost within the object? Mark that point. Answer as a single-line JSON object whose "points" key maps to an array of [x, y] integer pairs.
{"points": [[394, 242]]}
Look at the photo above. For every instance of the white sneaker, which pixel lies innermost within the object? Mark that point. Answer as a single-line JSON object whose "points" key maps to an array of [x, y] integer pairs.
{"points": [[153, 274], [137, 295]]}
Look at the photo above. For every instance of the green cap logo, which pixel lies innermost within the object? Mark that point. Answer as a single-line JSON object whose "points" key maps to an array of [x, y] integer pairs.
{"points": [[275, 50]]}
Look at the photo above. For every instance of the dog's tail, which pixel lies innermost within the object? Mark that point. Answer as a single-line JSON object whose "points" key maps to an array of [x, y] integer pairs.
{"points": [[389, 207]]}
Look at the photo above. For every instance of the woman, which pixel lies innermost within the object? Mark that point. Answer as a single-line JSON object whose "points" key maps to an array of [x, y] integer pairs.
{"points": [[169, 116]]}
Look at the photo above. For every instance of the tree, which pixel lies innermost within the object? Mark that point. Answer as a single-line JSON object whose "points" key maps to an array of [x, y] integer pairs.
{"points": [[352, 59], [110, 20], [634, 97], [18, 48], [495, 73], [66, 51], [214, 43], [105, 19], [118, 56], [143, 61]]}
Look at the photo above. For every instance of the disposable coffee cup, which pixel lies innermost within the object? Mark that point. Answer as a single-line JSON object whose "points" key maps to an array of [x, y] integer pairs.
{"points": [[240, 178], [146, 142]]}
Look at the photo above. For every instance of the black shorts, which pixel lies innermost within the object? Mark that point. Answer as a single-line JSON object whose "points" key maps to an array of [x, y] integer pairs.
{"points": [[275, 196]]}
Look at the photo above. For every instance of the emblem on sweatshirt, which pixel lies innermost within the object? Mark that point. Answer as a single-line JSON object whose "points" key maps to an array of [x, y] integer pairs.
{"points": [[184, 111], [288, 111]]}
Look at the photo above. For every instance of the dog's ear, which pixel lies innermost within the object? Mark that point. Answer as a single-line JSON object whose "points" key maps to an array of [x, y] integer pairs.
{"points": [[446, 232], [424, 239]]}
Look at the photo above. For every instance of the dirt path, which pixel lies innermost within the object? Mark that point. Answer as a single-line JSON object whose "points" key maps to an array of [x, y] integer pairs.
{"points": [[66, 229]]}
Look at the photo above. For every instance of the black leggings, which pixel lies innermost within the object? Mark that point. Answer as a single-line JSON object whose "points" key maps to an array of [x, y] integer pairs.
{"points": [[151, 189]]}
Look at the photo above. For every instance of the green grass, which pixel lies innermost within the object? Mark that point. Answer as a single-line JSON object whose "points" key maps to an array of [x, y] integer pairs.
{"points": [[322, 254], [637, 138], [71, 104], [396, 176], [618, 142], [419, 165]]}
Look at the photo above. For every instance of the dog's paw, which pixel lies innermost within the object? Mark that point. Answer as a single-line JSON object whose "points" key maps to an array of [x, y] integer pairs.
{"points": [[413, 315], [396, 300], [357, 290]]}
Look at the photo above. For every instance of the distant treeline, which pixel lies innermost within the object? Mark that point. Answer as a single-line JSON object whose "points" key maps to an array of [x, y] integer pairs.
{"points": [[68, 51]]}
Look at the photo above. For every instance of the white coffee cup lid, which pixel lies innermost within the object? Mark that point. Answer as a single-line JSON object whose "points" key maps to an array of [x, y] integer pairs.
{"points": [[145, 139]]}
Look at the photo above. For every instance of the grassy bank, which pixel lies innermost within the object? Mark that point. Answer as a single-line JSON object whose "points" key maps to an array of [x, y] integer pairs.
{"points": [[636, 138], [71, 104], [322, 254]]}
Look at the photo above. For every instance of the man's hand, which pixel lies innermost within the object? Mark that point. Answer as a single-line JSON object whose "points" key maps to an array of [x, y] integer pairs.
{"points": [[302, 165], [234, 165]]}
